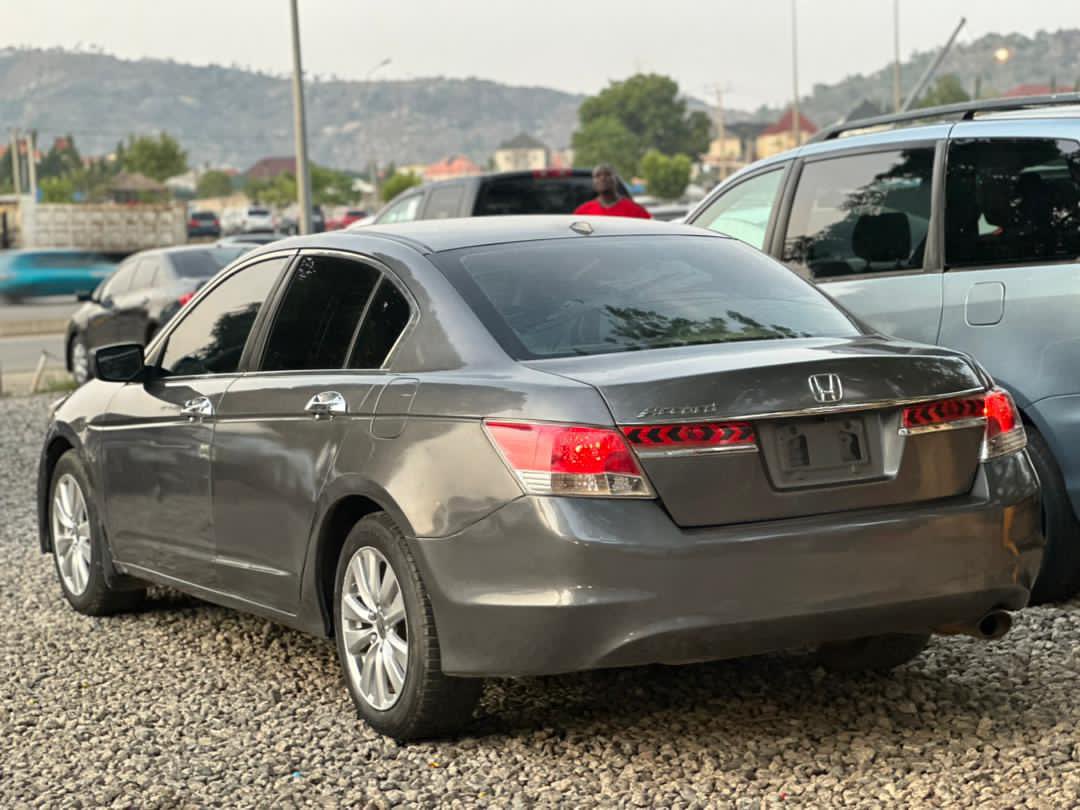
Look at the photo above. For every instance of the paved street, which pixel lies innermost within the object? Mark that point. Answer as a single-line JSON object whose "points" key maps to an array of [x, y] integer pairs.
{"points": [[21, 353], [53, 308], [188, 705]]}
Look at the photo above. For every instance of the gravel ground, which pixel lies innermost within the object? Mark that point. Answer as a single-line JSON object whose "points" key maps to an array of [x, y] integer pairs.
{"points": [[189, 705]]}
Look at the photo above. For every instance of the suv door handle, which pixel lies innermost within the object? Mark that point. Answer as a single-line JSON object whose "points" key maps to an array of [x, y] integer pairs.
{"points": [[327, 402], [197, 408]]}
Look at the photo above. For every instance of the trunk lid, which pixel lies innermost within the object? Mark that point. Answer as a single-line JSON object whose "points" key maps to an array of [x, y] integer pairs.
{"points": [[810, 456]]}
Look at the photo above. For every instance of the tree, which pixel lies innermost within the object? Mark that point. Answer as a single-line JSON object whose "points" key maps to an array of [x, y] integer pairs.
{"points": [[648, 107], [214, 183], [397, 183], [330, 187], [57, 189], [665, 177], [62, 158], [946, 90], [159, 158], [606, 140]]}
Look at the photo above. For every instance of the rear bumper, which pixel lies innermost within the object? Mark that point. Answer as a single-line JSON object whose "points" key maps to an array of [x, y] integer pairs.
{"points": [[549, 585]]}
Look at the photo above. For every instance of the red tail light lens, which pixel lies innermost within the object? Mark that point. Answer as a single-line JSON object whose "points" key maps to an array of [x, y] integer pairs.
{"points": [[183, 299], [551, 459], [1003, 429], [692, 438]]}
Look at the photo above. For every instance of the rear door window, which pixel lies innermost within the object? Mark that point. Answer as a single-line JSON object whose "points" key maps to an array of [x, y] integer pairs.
{"points": [[384, 322], [532, 194], [444, 202], [1012, 200], [402, 211], [743, 211], [319, 315], [204, 263], [861, 214]]}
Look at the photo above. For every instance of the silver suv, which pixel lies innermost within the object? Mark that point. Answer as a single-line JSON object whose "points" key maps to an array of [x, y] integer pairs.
{"points": [[956, 225]]}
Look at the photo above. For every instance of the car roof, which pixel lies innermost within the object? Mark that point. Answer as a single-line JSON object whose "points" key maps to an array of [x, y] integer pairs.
{"points": [[436, 235]]}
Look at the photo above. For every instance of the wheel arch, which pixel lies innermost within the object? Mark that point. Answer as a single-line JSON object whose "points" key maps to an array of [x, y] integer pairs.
{"points": [[56, 445]]}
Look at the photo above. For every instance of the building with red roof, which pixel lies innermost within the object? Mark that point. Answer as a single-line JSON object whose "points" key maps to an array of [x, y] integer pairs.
{"points": [[452, 166], [780, 136], [268, 168]]}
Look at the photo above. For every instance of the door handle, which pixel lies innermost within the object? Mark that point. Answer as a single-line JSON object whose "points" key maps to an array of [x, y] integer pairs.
{"points": [[197, 408], [326, 403]]}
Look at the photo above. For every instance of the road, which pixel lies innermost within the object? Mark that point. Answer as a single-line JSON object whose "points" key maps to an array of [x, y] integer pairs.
{"points": [[19, 355], [53, 308]]}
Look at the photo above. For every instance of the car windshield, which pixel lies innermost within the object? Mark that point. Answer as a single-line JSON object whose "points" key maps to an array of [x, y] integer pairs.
{"points": [[204, 263], [560, 298]]}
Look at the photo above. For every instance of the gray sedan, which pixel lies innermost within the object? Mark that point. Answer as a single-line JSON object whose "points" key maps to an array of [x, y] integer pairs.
{"points": [[519, 446]]}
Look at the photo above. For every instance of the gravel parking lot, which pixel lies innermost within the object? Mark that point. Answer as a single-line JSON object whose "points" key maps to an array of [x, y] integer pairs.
{"points": [[189, 705]]}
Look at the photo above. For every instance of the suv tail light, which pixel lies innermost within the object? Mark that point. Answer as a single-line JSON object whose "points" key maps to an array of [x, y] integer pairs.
{"points": [[554, 459], [995, 410]]}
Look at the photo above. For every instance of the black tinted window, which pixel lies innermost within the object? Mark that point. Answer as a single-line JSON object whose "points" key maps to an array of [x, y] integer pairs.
{"points": [[204, 263], [444, 202], [315, 325], [862, 214], [385, 321], [211, 337], [1012, 201], [617, 294], [532, 195]]}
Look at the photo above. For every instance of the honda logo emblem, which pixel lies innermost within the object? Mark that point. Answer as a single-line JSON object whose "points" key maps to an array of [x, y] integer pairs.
{"points": [[826, 388]]}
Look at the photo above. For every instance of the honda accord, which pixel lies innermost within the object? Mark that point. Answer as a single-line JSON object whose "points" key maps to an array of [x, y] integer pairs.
{"points": [[532, 445]]}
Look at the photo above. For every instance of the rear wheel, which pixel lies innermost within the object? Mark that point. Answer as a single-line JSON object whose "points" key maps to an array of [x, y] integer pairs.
{"points": [[873, 653], [387, 641], [1059, 575], [78, 546]]}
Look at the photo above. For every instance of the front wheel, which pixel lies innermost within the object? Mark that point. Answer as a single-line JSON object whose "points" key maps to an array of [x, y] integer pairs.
{"points": [[78, 544], [387, 642]]}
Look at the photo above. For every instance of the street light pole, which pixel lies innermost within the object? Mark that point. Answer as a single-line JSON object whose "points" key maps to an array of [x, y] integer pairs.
{"points": [[303, 182], [795, 128], [896, 57]]}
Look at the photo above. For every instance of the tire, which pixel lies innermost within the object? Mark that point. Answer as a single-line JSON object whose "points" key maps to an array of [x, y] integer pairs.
{"points": [[427, 703], [1059, 574], [873, 653], [79, 551], [79, 360]]}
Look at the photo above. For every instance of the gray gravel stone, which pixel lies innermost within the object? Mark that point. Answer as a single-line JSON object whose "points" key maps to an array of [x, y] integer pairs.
{"points": [[189, 705]]}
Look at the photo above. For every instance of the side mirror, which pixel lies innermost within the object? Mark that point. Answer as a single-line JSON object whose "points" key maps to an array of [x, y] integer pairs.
{"points": [[122, 362]]}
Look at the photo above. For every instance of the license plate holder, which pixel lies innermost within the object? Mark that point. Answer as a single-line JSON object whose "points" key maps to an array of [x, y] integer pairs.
{"points": [[823, 450]]}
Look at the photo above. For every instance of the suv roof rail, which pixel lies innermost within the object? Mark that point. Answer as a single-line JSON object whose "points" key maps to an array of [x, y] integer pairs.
{"points": [[964, 111]]}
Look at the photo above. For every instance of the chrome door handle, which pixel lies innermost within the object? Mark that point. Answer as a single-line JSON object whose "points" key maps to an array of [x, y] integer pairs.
{"points": [[328, 403], [197, 408]]}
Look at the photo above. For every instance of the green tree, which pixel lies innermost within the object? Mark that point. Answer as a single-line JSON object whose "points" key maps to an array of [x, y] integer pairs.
{"points": [[160, 157], [606, 140], [62, 158], [330, 187], [57, 189], [214, 183], [946, 90], [665, 177], [648, 107], [397, 183]]}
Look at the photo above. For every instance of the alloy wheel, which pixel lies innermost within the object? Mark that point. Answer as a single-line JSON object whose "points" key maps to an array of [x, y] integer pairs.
{"points": [[374, 629], [71, 534]]}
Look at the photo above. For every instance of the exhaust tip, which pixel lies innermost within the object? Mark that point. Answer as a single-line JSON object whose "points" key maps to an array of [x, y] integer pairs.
{"points": [[994, 625]]}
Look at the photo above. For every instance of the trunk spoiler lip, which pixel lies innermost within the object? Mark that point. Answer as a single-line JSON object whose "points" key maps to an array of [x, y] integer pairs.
{"points": [[704, 415]]}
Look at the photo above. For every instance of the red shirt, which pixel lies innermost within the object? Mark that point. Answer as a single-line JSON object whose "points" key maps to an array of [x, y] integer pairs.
{"points": [[623, 207]]}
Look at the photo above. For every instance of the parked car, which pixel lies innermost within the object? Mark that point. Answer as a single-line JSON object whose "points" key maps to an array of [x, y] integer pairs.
{"points": [[532, 445], [249, 219], [203, 224], [550, 191], [347, 218], [291, 226], [251, 238], [961, 230], [146, 290], [50, 271]]}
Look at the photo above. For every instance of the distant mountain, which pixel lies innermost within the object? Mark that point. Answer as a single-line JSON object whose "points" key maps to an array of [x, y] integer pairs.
{"points": [[234, 117], [227, 115]]}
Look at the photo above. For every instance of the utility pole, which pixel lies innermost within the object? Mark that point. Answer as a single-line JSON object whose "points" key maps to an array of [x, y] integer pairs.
{"points": [[796, 130], [31, 173], [896, 57], [303, 182], [928, 74], [16, 169]]}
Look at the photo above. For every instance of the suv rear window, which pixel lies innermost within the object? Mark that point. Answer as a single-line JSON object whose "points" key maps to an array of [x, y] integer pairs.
{"points": [[528, 194], [562, 298], [204, 263], [1012, 200]]}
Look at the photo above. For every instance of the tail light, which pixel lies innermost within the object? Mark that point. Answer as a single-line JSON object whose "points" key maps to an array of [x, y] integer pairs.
{"points": [[554, 459], [183, 299], [688, 439], [994, 410]]}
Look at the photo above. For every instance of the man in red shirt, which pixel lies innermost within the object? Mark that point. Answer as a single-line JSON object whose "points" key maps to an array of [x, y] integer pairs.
{"points": [[609, 202]]}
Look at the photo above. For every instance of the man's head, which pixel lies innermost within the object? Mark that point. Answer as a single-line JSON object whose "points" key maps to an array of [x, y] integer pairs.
{"points": [[603, 180]]}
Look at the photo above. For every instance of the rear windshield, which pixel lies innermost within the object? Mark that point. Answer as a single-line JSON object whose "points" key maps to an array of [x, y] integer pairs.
{"points": [[204, 263], [532, 195], [205, 215], [567, 297], [258, 212]]}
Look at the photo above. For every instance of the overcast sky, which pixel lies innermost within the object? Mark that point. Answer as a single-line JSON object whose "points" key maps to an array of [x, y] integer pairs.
{"points": [[576, 45]]}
